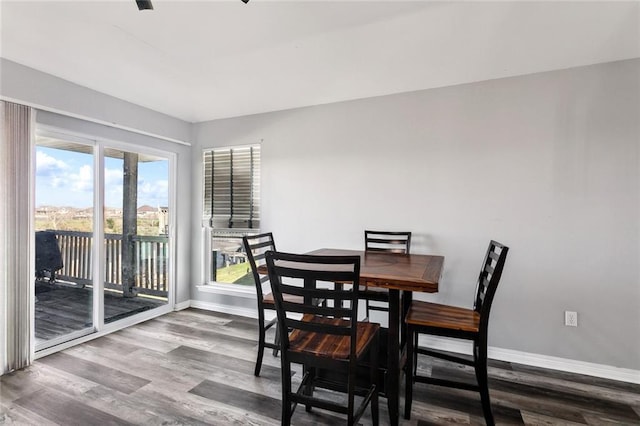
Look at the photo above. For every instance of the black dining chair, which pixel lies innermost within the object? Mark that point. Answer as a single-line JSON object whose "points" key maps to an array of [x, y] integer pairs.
{"points": [[460, 323], [256, 246], [382, 241], [327, 338]]}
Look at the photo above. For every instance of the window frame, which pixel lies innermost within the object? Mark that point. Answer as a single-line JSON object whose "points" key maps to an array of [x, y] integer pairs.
{"points": [[208, 223]]}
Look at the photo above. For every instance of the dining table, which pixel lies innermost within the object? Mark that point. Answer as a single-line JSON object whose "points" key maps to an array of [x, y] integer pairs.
{"points": [[402, 274]]}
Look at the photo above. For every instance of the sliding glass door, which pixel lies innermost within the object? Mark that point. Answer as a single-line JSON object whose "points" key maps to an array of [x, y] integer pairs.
{"points": [[136, 233], [102, 224]]}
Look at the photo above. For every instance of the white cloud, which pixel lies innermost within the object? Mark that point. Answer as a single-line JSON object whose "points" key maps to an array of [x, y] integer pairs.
{"points": [[113, 187], [155, 193], [60, 182], [47, 165], [83, 180], [112, 177]]}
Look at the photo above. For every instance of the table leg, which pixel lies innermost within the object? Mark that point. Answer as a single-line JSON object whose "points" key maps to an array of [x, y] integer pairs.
{"points": [[406, 299], [393, 357]]}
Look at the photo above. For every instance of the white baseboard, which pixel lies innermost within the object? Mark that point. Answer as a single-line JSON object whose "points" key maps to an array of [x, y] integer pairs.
{"points": [[229, 290], [508, 355], [226, 309], [182, 305], [538, 360]]}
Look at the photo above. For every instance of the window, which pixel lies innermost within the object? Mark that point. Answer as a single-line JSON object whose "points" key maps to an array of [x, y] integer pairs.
{"points": [[231, 209]]}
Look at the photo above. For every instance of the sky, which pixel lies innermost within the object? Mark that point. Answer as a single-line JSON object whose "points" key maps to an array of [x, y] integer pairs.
{"points": [[65, 178]]}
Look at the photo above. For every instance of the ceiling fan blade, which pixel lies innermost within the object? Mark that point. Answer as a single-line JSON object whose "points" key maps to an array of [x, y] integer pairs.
{"points": [[145, 4]]}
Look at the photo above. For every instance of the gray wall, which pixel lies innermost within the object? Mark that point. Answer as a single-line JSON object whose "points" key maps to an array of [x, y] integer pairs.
{"points": [[27, 85], [546, 163], [36, 88]]}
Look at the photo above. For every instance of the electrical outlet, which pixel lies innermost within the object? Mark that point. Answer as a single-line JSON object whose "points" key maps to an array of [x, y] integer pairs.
{"points": [[571, 318]]}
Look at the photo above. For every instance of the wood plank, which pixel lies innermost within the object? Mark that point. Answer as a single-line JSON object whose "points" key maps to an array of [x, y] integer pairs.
{"points": [[64, 410], [231, 395], [13, 414], [223, 361], [109, 377]]}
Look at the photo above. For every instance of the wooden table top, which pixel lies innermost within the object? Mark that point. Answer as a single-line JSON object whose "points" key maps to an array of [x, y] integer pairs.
{"points": [[412, 272]]}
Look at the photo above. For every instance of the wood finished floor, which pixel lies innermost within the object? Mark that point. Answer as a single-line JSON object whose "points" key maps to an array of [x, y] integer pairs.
{"points": [[62, 309], [195, 367]]}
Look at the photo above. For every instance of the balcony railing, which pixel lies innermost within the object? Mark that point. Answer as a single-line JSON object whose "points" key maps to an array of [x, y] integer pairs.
{"points": [[151, 261]]}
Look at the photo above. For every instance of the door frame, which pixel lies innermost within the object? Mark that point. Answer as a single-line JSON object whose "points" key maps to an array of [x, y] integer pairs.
{"points": [[99, 327]]}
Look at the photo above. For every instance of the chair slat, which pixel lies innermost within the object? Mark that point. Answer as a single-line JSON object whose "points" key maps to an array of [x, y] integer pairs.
{"points": [[316, 292], [345, 277], [303, 308], [261, 244]]}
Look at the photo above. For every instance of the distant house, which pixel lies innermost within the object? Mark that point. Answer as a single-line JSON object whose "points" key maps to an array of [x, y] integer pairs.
{"points": [[147, 211], [42, 212]]}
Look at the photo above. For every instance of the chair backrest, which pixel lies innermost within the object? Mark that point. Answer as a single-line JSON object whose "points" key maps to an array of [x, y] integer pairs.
{"points": [[256, 246], [391, 242], [299, 275], [488, 280]]}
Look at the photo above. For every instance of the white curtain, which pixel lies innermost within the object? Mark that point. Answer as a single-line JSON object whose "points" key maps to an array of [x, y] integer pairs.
{"points": [[16, 278]]}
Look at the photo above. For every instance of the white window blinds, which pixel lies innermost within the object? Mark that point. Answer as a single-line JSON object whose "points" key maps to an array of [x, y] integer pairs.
{"points": [[16, 235], [232, 188]]}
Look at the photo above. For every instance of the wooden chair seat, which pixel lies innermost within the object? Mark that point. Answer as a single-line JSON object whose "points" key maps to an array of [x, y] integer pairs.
{"points": [[433, 315], [331, 346]]}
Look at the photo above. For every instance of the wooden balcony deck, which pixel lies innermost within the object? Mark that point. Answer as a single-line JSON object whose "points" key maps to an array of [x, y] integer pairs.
{"points": [[62, 309]]}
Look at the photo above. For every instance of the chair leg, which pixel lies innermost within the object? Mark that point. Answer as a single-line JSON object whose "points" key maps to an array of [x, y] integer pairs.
{"points": [[480, 352], [309, 387], [351, 395], [415, 354], [277, 340], [367, 310], [375, 410], [286, 392], [375, 349], [261, 338], [409, 371]]}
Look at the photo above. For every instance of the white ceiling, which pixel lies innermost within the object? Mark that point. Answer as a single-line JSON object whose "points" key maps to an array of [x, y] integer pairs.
{"points": [[203, 60]]}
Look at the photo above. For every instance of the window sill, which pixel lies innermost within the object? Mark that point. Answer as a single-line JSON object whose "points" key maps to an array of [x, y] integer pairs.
{"points": [[248, 292]]}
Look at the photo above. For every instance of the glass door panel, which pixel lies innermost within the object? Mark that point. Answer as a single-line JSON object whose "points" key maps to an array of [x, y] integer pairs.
{"points": [[136, 225], [64, 198]]}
